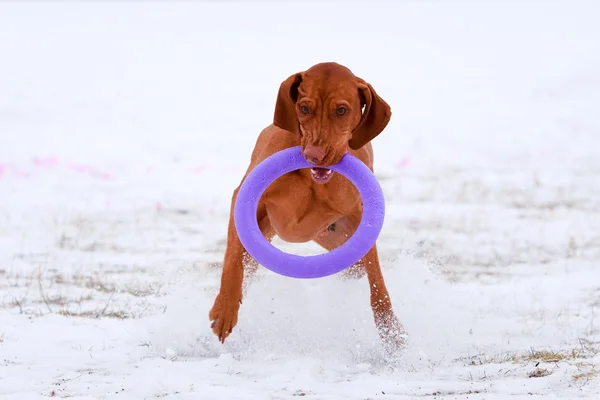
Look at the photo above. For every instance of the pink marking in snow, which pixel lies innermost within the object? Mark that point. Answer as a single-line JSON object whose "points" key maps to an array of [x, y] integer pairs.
{"points": [[198, 169], [149, 169], [105, 176], [45, 161], [17, 172], [83, 168], [88, 169], [20, 173], [404, 162]]}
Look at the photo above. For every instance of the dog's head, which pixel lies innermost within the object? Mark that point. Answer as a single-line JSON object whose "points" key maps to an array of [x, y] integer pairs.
{"points": [[331, 109]]}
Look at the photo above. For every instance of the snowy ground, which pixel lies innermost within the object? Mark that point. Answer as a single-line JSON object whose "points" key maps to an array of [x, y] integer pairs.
{"points": [[125, 127]]}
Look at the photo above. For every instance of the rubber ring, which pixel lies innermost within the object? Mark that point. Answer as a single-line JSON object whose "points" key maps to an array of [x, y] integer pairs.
{"points": [[315, 266]]}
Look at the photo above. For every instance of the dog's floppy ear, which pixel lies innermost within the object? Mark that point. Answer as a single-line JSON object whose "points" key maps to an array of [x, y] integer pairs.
{"points": [[375, 117], [285, 108]]}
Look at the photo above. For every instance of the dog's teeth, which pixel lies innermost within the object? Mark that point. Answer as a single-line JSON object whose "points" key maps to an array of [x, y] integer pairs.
{"points": [[329, 172]]}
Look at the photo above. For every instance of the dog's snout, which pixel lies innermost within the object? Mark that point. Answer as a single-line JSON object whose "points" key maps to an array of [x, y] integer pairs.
{"points": [[314, 154]]}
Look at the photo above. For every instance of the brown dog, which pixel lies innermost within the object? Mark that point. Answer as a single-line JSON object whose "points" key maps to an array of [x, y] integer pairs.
{"points": [[328, 112]]}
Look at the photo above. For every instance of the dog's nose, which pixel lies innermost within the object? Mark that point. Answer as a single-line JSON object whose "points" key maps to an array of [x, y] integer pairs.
{"points": [[314, 154]]}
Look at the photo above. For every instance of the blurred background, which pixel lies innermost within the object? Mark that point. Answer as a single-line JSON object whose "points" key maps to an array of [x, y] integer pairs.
{"points": [[125, 127]]}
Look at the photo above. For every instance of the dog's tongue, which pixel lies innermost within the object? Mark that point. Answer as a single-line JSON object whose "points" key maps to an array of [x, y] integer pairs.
{"points": [[321, 172], [321, 175]]}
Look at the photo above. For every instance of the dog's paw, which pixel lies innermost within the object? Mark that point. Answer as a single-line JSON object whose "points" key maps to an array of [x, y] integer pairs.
{"points": [[392, 334], [355, 271], [224, 316]]}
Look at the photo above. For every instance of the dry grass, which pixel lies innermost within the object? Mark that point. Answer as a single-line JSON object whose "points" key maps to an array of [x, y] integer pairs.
{"points": [[117, 314], [586, 371], [452, 393], [95, 283], [580, 357], [482, 359], [539, 373], [586, 349], [548, 356], [84, 296]]}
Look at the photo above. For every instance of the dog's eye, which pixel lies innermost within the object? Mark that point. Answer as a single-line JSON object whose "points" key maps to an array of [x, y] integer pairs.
{"points": [[341, 111], [305, 109]]}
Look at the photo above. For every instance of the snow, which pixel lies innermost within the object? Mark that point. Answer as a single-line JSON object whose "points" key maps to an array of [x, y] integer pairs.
{"points": [[124, 128]]}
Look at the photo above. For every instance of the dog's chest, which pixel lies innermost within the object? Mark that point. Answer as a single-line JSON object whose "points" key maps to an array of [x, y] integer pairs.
{"points": [[299, 209]]}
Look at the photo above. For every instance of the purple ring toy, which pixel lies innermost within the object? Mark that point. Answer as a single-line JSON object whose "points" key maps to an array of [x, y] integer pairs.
{"points": [[320, 265]]}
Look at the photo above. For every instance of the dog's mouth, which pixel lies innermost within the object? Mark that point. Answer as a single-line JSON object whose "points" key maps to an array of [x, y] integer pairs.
{"points": [[321, 175]]}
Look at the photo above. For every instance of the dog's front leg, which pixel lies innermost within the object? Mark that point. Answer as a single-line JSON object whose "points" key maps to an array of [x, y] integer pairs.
{"points": [[224, 312], [390, 329]]}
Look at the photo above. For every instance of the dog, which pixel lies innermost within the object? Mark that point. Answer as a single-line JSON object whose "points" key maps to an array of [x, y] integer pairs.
{"points": [[329, 112]]}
